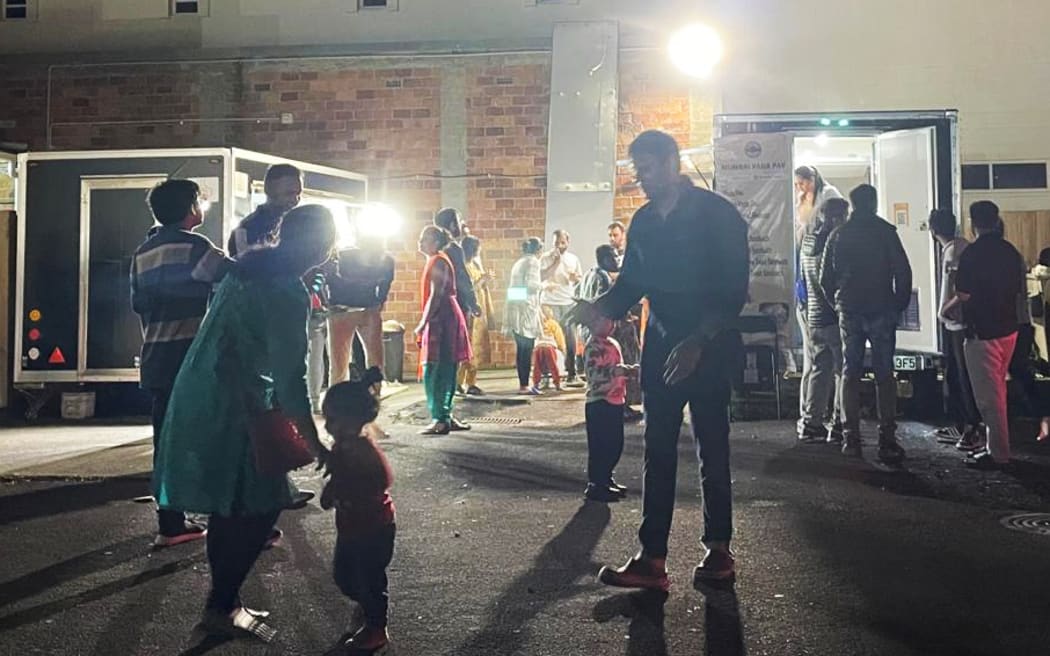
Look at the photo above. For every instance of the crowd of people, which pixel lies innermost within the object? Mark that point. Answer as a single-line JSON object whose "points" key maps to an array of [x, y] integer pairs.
{"points": [[238, 345], [855, 282]]}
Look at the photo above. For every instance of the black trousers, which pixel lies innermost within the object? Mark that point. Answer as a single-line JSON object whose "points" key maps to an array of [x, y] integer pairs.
{"points": [[524, 358], [707, 392], [1022, 370], [604, 440], [962, 407], [234, 544], [359, 569], [169, 522]]}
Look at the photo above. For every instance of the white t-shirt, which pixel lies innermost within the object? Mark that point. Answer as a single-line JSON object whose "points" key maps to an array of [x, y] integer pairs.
{"points": [[561, 288], [950, 254]]}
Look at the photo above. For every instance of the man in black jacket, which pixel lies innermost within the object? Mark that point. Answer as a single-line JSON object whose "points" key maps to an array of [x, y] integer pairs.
{"points": [[866, 272], [687, 252]]}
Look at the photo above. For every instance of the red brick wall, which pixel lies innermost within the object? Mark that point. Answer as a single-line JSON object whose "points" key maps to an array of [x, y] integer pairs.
{"points": [[507, 111], [380, 119]]}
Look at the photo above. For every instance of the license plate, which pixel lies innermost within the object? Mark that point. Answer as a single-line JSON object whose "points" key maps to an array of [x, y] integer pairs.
{"points": [[906, 362]]}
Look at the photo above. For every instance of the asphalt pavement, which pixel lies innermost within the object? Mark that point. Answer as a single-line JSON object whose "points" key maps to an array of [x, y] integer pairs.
{"points": [[497, 553]]}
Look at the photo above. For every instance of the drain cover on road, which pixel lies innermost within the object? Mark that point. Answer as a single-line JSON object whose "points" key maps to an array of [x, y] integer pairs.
{"points": [[495, 420], [1038, 523]]}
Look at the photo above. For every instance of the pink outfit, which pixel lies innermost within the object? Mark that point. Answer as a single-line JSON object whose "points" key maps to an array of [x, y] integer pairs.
{"points": [[445, 337]]}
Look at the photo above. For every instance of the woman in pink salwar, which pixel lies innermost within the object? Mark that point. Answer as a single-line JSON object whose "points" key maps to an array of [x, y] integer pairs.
{"points": [[442, 332]]}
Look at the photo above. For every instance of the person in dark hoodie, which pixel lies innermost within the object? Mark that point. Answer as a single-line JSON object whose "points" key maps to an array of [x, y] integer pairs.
{"points": [[866, 271], [824, 383]]}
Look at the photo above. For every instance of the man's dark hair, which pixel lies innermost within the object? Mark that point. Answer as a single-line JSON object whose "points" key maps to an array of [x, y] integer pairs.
{"points": [[561, 233], [865, 199], [440, 235], [532, 245], [617, 224], [445, 217], [171, 200], [833, 208], [281, 171], [1044, 257], [656, 143], [984, 214], [604, 252], [943, 223], [470, 245]]}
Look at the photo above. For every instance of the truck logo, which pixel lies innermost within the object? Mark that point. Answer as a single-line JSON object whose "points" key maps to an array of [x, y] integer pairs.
{"points": [[753, 149]]}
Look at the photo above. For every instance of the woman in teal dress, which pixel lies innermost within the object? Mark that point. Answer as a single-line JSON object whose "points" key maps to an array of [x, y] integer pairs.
{"points": [[250, 355]]}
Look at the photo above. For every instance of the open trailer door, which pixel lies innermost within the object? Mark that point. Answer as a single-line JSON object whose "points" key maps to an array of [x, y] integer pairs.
{"points": [[905, 174]]}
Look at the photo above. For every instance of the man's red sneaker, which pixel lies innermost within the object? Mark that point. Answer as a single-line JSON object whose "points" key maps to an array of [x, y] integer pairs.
{"points": [[717, 565], [638, 572]]}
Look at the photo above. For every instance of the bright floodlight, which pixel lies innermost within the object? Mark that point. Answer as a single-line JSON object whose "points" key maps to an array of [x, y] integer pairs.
{"points": [[379, 220], [695, 49]]}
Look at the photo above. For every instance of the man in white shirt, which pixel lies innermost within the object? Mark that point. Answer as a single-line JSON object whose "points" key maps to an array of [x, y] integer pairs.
{"points": [[561, 272]]}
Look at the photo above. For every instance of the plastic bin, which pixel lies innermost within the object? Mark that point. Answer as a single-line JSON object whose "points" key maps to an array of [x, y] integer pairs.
{"points": [[393, 351], [78, 405]]}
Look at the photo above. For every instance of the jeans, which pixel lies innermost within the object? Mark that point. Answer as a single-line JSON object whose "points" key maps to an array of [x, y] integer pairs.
{"points": [[317, 331], [560, 312], [169, 522], [824, 384], [604, 440], [962, 407], [524, 358], [857, 331], [359, 569], [234, 544], [988, 361], [439, 383], [807, 363], [707, 391]]}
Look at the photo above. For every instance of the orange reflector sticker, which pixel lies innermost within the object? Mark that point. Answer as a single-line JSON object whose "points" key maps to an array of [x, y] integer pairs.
{"points": [[57, 357], [34, 315]]}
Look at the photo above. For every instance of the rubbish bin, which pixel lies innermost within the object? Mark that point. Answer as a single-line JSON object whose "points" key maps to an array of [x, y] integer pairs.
{"points": [[393, 351]]}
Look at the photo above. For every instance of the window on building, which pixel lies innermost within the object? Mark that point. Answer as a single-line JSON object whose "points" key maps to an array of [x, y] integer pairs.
{"points": [[976, 176], [377, 4], [183, 7], [541, 3], [1004, 176], [16, 9]]}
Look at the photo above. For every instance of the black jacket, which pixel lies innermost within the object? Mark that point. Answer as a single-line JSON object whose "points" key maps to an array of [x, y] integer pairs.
{"points": [[819, 311], [865, 268], [468, 300]]}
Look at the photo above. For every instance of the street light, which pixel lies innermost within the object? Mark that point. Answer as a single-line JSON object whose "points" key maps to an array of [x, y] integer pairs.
{"points": [[695, 49]]}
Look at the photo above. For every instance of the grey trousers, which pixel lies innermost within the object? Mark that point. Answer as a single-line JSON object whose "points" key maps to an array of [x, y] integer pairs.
{"points": [[807, 364], [317, 330], [825, 377], [987, 361]]}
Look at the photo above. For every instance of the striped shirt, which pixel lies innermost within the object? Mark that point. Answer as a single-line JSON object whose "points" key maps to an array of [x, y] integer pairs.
{"points": [[172, 274], [258, 230]]}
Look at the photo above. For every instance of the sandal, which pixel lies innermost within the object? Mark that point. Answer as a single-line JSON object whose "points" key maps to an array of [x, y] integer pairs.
{"points": [[437, 428]]}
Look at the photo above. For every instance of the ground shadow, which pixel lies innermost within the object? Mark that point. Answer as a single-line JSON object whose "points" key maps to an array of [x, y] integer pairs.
{"points": [[511, 474], [97, 560], [645, 609], [569, 555], [206, 644], [820, 461], [45, 610], [69, 498], [722, 624]]}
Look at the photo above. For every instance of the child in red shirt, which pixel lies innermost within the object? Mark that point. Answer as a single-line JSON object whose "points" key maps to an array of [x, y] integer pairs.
{"points": [[359, 490], [604, 411]]}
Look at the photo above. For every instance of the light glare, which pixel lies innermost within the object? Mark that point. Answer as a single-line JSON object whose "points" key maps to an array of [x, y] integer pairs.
{"points": [[696, 50]]}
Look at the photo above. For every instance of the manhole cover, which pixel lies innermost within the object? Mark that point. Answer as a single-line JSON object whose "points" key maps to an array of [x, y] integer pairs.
{"points": [[1038, 523], [495, 420]]}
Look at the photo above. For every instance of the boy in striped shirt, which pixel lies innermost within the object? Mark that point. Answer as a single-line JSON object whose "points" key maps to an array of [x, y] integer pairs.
{"points": [[172, 274]]}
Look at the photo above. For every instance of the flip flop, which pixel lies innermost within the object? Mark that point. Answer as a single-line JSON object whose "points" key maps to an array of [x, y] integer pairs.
{"points": [[439, 428]]}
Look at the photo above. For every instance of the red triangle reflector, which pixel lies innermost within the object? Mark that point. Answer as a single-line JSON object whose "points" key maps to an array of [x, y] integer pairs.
{"points": [[57, 357]]}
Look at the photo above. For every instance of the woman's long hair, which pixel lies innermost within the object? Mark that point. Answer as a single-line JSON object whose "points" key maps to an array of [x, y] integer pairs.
{"points": [[811, 173], [307, 239]]}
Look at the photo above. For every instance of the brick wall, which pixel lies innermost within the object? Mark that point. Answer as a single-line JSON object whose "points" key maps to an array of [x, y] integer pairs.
{"points": [[382, 118], [655, 97]]}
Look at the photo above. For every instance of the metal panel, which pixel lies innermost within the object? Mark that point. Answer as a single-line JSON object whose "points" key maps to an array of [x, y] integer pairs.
{"points": [[582, 135], [87, 187]]}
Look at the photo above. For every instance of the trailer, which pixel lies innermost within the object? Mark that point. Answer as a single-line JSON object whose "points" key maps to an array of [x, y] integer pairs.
{"points": [[80, 217], [911, 157]]}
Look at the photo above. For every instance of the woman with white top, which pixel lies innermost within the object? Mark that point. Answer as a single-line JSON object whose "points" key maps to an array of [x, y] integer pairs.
{"points": [[523, 319]]}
